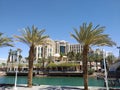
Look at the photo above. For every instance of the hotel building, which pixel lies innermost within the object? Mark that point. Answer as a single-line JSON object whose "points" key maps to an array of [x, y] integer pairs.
{"points": [[45, 50], [76, 48], [56, 48]]}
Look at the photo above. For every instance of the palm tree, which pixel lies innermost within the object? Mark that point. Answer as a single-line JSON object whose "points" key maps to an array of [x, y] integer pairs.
{"points": [[110, 59], [97, 58], [61, 56], [71, 56], [78, 57], [5, 41], [88, 36], [8, 60], [31, 37], [90, 58]]}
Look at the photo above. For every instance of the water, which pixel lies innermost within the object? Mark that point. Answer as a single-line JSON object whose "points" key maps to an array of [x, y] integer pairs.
{"points": [[63, 81]]}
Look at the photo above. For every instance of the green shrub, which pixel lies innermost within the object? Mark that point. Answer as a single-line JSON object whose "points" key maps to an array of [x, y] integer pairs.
{"points": [[52, 65], [67, 65]]}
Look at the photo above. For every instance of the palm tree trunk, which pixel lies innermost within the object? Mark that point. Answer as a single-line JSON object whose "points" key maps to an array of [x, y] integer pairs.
{"points": [[43, 63], [90, 65], [96, 66], [12, 63], [85, 67], [30, 72]]}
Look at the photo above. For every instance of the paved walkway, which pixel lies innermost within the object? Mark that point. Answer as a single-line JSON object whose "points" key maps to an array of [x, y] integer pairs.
{"points": [[49, 87]]}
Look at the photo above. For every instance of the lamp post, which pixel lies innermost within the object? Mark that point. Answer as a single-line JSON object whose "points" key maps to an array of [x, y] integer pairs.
{"points": [[106, 79], [15, 88], [119, 52]]}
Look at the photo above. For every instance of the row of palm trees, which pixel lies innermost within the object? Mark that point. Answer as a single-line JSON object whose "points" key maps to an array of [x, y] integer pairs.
{"points": [[70, 58], [92, 57], [87, 35]]}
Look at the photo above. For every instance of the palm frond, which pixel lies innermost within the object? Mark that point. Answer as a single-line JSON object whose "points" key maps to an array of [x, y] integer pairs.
{"points": [[32, 36], [89, 35], [5, 41]]}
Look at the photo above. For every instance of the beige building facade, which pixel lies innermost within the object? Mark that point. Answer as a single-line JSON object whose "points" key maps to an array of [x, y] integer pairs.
{"points": [[54, 48]]}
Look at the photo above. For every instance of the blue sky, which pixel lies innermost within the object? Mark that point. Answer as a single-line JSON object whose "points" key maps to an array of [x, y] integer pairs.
{"points": [[58, 18]]}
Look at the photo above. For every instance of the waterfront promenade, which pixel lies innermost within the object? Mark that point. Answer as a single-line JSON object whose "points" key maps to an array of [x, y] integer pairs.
{"points": [[45, 87], [50, 87]]}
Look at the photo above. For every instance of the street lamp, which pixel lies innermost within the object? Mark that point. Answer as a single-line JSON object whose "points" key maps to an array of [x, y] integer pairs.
{"points": [[15, 87], [106, 79]]}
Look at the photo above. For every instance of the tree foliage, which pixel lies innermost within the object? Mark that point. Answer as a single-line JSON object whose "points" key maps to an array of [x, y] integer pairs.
{"points": [[32, 37], [5, 41], [88, 36]]}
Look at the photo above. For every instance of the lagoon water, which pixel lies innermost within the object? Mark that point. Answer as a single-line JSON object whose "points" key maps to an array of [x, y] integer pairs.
{"points": [[63, 81]]}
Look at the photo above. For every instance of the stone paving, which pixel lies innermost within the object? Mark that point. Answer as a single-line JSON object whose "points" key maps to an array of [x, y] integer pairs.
{"points": [[49, 87]]}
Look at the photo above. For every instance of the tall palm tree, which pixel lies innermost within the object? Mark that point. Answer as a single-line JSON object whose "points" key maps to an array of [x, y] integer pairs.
{"points": [[9, 55], [5, 41], [97, 58], [110, 59], [61, 56], [78, 57], [31, 37], [71, 56], [88, 36], [90, 58]]}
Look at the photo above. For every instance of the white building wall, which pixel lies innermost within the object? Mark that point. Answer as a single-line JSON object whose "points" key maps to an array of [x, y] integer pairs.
{"points": [[77, 48], [54, 48], [38, 52], [45, 50]]}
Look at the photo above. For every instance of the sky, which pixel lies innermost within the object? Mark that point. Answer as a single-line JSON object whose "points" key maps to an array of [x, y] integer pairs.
{"points": [[58, 18]]}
